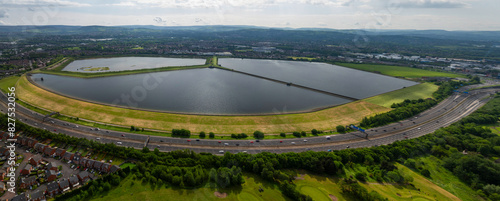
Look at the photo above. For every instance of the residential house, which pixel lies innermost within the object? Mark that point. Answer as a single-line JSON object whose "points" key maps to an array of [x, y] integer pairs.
{"points": [[97, 165], [49, 151], [60, 152], [32, 142], [90, 163], [22, 140], [114, 168], [73, 181], [105, 167], [52, 166], [36, 195], [64, 185], [27, 182], [20, 197], [76, 159], [68, 156], [52, 189], [83, 176], [40, 147], [35, 160], [83, 161], [27, 169], [50, 175]]}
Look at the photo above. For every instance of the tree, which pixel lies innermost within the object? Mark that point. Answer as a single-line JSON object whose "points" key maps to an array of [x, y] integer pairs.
{"points": [[282, 134], [340, 129], [211, 135], [258, 134], [314, 132], [202, 134], [303, 133], [296, 134], [425, 173]]}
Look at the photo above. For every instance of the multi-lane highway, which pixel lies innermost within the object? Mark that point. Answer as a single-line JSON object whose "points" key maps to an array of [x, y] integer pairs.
{"points": [[445, 113]]}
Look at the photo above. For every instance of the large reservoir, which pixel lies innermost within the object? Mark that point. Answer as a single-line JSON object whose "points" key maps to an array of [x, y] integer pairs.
{"points": [[128, 63], [215, 91]]}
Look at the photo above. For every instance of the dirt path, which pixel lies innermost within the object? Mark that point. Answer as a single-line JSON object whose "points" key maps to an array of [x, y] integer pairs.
{"points": [[220, 195]]}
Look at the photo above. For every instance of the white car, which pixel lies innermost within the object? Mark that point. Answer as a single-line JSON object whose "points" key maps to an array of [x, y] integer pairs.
{"points": [[221, 151], [118, 142], [293, 142], [226, 144], [98, 138], [305, 140], [327, 137]]}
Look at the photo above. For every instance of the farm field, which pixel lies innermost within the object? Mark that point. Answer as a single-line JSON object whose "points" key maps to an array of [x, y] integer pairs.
{"points": [[399, 71]]}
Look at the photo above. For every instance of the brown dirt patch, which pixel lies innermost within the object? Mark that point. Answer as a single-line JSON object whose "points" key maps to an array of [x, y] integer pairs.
{"points": [[220, 195], [333, 197], [301, 177]]}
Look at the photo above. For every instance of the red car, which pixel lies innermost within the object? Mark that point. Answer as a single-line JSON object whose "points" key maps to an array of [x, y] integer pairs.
{"points": [[219, 141], [189, 140], [281, 141], [251, 141], [123, 135]]}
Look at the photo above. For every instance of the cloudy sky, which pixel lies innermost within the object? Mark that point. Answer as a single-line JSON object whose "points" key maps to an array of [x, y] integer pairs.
{"points": [[337, 14]]}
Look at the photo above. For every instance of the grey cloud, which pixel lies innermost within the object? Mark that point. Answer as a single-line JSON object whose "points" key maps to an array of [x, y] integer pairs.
{"points": [[432, 4], [3, 14]]}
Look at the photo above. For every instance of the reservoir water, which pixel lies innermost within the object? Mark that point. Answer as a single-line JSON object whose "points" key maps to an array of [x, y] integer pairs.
{"points": [[197, 91], [128, 63], [322, 76]]}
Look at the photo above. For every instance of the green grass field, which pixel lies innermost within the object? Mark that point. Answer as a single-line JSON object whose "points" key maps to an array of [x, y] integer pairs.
{"points": [[131, 165], [323, 187], [247, 192], [7, 82], [73, 48], [423, 91], [399, 71]]}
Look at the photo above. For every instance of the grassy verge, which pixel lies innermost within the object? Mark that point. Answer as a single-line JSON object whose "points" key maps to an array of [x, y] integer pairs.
{"points": [[130, 189], [423, 91], [321, 120], [399, 71]]}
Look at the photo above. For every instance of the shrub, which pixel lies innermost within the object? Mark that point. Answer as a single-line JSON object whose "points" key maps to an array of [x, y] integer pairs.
{"points": [[340, 129], [202, 134], [258, 134], [296, 134], [211, 135], [282, 134]]}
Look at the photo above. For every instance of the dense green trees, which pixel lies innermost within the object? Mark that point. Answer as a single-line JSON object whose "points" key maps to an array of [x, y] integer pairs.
{"points": [[258, 135], [181, 133], [340, 129]]}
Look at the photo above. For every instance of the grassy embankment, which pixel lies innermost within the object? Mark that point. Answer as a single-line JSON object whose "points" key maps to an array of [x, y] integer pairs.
{"points": [[399, 71], [423, 91]]}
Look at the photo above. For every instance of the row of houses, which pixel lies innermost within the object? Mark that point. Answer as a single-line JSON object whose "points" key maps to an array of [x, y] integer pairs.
{"points": [[75, 158]]}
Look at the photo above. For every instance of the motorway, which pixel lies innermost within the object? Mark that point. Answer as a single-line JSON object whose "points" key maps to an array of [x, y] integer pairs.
{"points": [[445, 113]]}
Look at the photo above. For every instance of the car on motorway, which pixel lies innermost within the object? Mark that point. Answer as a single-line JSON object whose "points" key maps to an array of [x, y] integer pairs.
{"points": [[347, 146], [123, 135], [257, 140], [237, 144], [118, 142], [98, 138], [226, 144], [251, 142], [244, 151], [219, 142], [305, 140], [327, 137], [329, 150], [158, 146], [188, 140], [161, 140], [221, 151], [197, 139], [281, 141], [292, 142], [76, 126], [418, 128]]}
